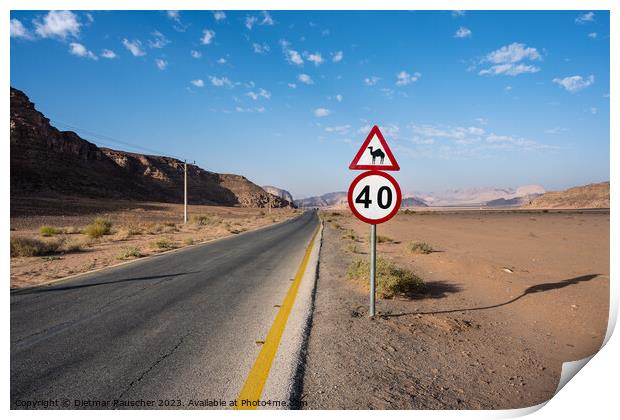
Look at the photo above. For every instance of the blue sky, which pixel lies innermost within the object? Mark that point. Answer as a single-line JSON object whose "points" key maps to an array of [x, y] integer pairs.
{"points": [[465, 99]]}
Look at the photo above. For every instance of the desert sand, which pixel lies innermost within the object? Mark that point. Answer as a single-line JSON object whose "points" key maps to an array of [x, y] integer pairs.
{"points": [[145, 227], [512, 296]]}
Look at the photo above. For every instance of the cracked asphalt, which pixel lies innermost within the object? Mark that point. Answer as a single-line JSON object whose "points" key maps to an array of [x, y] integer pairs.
{"points": [[179, 326]]}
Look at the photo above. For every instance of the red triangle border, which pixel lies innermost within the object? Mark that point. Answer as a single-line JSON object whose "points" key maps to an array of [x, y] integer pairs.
{"points": [[355, 162]]}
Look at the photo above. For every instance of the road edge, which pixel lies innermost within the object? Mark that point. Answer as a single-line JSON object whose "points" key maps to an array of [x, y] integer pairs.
{"points": [[146, 258], [286, 373]]}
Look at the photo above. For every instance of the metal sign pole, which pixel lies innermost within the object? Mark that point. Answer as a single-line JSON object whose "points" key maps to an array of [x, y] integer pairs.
{"points": [[373, 267]]}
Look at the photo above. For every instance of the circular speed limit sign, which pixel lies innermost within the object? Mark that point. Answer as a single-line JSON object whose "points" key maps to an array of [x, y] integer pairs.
{"points": [[374, 197]]}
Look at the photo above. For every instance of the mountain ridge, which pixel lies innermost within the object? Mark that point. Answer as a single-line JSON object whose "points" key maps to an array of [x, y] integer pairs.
{"points": [[47, 161]]}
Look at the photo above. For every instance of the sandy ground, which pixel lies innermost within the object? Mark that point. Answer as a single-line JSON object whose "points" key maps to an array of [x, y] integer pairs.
{"points": [[513, 295], [147, 222]]}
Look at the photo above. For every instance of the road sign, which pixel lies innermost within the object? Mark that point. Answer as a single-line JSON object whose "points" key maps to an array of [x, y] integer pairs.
{"points": [[374, 197], [375, 154]]}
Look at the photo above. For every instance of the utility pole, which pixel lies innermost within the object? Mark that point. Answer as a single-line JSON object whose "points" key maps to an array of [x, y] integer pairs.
{"points": [[185, 192]]}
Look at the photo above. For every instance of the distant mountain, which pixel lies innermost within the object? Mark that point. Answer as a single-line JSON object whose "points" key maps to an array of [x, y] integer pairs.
{"points": [[279, 192], [480, 196], [413, 202], [50, 162], [334, 199], [592, 196], [338, 200]]}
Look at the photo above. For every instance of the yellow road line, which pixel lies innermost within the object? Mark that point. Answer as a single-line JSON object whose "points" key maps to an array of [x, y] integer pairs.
{"points": [[257, 377]]}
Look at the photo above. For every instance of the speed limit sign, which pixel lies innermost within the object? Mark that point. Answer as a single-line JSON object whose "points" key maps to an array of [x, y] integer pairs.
{"points": [[374, 197]]}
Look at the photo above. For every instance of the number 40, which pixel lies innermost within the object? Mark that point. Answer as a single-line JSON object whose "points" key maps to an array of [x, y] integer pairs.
{"points": [[384, 197]]}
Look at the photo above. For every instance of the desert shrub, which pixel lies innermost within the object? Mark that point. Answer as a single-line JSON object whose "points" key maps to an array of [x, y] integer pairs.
{"points": [[384, 239], [408, 211], [22, 246], [349, 234], [391, 280], [420, 247], [47, 230], [98, 228], [129, 252], [188, 241], [170, 224], [203, 220], [335, 214], [72, 246], [163, 243]]}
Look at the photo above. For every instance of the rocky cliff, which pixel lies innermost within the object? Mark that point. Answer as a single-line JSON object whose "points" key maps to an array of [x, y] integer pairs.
{"points": [[46, 161], [592, 196]]}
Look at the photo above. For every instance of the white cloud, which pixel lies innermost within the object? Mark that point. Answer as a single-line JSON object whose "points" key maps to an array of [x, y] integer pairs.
{"points": [[250, 21], [207, 36], [219, 82], [457, 13], [339, 129], [513, 53], [508, 88], [174, 15], [593, 110], [134, 47], [321, 112], [292, 85], [81, 51], [592, 35], [555, 130], [294, 57], [304, 78], [337, 56], [506, 60], [585, 18], [109, 54], [257, 109], [339, 97], [58, 24], [314, 58], [221, 60], [574, 83], [18, 30], [198, 83], [262, 93], [159, 40], [403, 78], [267, 19], [509, 69], [219, 15], [89, 17], [195, 54], [371, 81], [463, 32], [161, 63], [260, 48]]}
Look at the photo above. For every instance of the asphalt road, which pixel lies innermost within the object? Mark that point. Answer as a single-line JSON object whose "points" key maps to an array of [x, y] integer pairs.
{"points": [[177, 326]]}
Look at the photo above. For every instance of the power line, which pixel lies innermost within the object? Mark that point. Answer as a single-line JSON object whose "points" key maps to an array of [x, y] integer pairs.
{"points": [[98, 136]]}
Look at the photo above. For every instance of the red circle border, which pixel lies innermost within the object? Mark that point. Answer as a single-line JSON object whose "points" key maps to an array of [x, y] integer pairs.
{"points": [[399, 197]]}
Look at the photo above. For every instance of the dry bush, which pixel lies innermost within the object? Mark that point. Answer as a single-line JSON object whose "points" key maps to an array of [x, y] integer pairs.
{"points": [[349, 234], [204, 220], [22, 246], [98, 228], [129, 252], [420, 247], [47, 230], [163, 243], [391, 280], [384, 239]]}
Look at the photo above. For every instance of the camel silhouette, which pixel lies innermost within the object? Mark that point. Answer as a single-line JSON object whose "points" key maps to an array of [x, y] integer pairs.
{"points": [[377, 154]]}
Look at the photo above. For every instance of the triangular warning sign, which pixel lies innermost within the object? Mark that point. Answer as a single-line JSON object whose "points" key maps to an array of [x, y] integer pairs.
{"points": [[375, 154]]}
